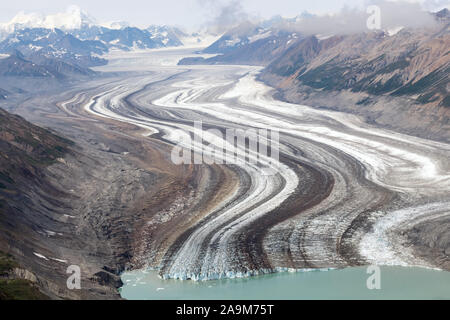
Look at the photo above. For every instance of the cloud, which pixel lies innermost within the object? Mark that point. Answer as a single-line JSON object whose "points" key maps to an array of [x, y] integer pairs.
{"points": [[396, 14], [436, 5], [225, 14], [393, 14]]}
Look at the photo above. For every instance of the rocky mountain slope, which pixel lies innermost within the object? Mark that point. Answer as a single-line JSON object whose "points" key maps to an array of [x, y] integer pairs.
{"points": [[237, 37], [405, 64], [398, 81], [16, 65], [38, 66], [26, 151], [38, 231]]}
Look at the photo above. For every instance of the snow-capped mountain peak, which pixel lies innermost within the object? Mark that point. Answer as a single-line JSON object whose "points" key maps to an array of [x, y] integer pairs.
{"points": [[73, 18]]}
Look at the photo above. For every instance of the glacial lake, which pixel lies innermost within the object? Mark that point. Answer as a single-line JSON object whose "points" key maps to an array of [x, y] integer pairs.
{"points": [[350, 283]]}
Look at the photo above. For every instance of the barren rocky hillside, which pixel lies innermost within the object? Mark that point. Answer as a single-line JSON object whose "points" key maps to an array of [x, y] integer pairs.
{"points": [[398, 81], [38, 227], [405, 64]]}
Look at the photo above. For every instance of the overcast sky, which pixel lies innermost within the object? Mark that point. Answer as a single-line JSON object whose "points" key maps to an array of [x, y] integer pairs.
{"points": [[188, 13]]}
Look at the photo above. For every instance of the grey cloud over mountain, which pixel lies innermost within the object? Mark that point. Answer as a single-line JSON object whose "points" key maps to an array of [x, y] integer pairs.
{"points": [[226, 14], [349, 20]]}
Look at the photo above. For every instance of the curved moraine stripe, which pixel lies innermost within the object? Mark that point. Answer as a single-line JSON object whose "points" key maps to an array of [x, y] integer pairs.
{"points": [[341, 185]]}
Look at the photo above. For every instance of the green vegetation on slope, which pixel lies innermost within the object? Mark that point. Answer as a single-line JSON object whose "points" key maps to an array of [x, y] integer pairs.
{"points": [[7, 264], [19, 289], [15, 289]]}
